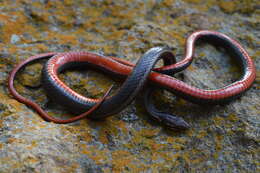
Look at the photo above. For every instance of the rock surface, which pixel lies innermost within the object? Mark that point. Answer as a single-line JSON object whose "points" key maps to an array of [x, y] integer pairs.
{"points": [[222, 138]]}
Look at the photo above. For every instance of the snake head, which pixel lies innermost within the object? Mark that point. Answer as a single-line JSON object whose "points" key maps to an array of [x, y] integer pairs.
{"points": [[173, 122]]}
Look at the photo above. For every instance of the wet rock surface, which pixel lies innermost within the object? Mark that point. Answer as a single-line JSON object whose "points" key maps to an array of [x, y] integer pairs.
{"points": [[222, 138]]}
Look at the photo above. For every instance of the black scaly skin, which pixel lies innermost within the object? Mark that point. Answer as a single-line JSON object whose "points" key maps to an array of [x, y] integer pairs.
{"points": [[169, 120], [124, 96]]}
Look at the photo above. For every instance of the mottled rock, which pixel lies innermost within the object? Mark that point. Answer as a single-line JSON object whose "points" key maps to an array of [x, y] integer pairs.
{"points": [[222, 138]]}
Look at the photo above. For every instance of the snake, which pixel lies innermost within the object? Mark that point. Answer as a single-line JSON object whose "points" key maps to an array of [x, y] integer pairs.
{"points": [[137, 77]]}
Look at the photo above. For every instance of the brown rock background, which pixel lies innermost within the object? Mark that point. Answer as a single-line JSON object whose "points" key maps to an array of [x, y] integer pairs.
{"points": [[222, 138]]}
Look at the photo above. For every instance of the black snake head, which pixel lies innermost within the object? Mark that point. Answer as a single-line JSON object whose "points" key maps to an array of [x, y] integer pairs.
{"points": [[173, 122]]}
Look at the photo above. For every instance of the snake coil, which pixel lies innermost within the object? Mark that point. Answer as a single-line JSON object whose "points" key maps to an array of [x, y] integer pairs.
{"points": [[136, 78]]}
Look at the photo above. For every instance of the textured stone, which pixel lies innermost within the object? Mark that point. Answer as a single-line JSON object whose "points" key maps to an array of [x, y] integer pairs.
{"points": [[222, 138]]}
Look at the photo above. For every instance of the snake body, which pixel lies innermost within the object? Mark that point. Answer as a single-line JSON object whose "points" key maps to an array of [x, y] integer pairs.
{"points": [[136, 76]]}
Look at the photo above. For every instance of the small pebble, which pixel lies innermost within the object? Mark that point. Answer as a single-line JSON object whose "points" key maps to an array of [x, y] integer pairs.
{"points": [[15, 38]]}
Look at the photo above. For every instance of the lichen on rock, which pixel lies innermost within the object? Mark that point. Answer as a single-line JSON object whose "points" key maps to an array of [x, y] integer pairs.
{"points": [[222, 138]]}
